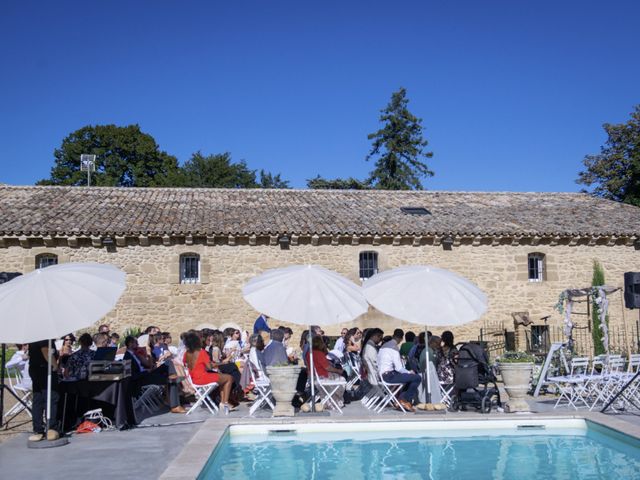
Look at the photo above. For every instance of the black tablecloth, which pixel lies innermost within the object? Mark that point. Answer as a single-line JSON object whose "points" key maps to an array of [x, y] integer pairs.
{"points": [[116, 394]]}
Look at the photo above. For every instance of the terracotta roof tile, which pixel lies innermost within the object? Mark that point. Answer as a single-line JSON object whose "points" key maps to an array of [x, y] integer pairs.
{"points": [[101, 210]]}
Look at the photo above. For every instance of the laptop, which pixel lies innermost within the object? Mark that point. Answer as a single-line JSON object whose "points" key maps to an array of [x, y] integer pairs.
{"points": [[105, 353]]}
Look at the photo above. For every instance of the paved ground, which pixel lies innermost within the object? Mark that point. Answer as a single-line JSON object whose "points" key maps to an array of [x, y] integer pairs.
{"points": [[148, 451]]}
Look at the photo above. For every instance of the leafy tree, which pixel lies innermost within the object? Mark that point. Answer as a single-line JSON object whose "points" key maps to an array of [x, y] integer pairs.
{"points": [[399, 148], [216, 171], [319, 183], [267, 180], [219, 171], [615, 171], [125, 156]]}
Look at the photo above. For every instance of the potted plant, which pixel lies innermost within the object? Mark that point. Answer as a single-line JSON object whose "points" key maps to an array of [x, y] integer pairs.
{"points": [[283, 379], [516, 369]]}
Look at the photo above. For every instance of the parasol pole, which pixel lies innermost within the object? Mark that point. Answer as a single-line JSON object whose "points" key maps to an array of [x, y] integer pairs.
{"points": [[427, 366], [311, 370], [49, 355]]}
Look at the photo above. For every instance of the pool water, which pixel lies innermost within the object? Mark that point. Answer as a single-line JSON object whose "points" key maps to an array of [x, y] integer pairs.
{"points": [[529, 452]]}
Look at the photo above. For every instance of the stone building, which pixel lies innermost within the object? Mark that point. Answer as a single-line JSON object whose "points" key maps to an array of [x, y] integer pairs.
{"points": [[188, 252]]}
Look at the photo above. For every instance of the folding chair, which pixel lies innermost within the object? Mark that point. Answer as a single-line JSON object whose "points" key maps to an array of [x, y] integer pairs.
{"points": [[20, 391], [202, 395], [390, 392], [572, 386], [354, 364], [634, 363], [150, 398], [445, 392], [375, 394], [261, 387], [327, 388]]}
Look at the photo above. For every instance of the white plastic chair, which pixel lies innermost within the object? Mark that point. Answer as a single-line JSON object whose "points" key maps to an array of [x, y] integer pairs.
{"points": [[23, 393], [261, 387], [202, 394]]}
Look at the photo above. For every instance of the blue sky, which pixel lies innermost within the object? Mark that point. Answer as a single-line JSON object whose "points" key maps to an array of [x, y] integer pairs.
{"points": [[512, 94]]}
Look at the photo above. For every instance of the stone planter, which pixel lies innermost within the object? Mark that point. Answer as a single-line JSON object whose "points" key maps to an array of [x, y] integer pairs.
{"points": [[517, 381], [283, 388]]}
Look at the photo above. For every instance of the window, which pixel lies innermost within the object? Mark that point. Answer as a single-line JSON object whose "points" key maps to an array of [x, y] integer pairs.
{"points": [[540, 338], [190, 268], [536, 267], [46, 260], [368, 264]]}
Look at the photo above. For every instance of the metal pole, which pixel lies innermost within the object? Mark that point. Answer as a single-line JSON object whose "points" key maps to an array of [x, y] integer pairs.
{"points": [[427, 367], [88, 175], [50, 353], [311, 370], [2, 364]]}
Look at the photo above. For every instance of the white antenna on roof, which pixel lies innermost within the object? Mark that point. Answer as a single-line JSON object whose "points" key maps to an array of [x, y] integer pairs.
{"points": [[88, 164]]}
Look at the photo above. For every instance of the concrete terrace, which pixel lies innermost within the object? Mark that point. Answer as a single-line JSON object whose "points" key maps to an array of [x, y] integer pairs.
{"points": [[175, 447]]}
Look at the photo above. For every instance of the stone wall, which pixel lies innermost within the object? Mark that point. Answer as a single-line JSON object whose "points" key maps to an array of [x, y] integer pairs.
{"points": [[155, 296]]}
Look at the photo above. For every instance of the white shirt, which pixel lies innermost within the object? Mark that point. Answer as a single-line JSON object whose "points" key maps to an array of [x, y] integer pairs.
{"points": [[389, 359], [338, 348]]}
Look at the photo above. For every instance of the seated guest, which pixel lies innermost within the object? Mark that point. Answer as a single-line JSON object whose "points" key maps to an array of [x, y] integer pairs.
{"points": [[67, 345], [324, 368], [232, 347], [409, 338], [159, 351], [291, 351], [413, 357], [256, 355], [78, 364], [200, 366], [20, 361], [447, 359], [434, 382], [338, 347], [114, 340], [275, 352], [392, 371], [166, 338], [143, 372], [370, 354]]}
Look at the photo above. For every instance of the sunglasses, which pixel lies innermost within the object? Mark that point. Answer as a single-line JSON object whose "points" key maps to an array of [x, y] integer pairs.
{"points": [[67, 339]]}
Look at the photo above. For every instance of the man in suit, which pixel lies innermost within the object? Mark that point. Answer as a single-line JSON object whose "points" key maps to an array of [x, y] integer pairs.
{"points": [[275, 353], [144, 372]]}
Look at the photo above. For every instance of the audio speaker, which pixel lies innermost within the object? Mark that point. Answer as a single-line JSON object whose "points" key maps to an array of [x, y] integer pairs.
{"points": [[6, 276], [632, 289]]}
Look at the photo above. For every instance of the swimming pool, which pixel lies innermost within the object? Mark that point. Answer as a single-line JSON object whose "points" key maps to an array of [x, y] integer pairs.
{"points": [[491, 449]]}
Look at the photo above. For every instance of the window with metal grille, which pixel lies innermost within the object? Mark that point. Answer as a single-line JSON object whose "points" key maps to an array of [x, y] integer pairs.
{"points": [[536, 267], [46, 260], [368, 264], [190, 268], [540, 338]]}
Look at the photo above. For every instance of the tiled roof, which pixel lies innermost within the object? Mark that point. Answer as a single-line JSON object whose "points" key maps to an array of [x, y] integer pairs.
{"points": [[176, 211]]}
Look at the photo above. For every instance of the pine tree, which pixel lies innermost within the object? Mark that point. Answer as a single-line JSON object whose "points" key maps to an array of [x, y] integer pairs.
{"points": [[399, 148]]}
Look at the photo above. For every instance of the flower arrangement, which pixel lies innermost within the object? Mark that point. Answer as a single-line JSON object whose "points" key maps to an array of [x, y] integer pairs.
{"points": [[516, 357]]}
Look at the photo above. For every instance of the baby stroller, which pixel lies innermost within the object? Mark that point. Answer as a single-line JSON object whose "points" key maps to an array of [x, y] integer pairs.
{"points": [[474, 380]]}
